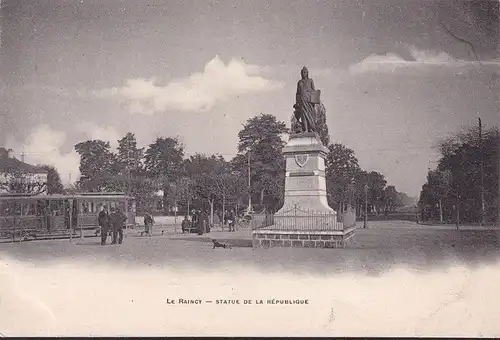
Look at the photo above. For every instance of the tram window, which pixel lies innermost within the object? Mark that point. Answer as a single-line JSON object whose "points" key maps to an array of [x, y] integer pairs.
{"points": [[17, 208], [3, 208], [31, 209], [8, 208], [53, 208], [92, 207], [85, 207], [56, 208], [40, 208], [60, 208]]}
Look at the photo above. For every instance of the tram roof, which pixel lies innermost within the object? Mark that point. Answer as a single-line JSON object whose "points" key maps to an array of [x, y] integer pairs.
{"points": [[82, 195]]}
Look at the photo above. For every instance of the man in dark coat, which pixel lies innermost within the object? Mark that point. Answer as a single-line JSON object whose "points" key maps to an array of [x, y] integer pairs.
{"points": [[231, 220], [148, 223], [103, 220], [117, 221], [185, 224], [201, 222], [207, 222]]}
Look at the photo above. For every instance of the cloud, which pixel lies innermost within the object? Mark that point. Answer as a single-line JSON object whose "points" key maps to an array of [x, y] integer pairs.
{"points": [[198, 92], [43, 145], [390, 62], [105, 133]]}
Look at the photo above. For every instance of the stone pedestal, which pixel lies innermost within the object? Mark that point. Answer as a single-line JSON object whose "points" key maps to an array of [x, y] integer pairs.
{"points": [[305, 184], [305, 220]]}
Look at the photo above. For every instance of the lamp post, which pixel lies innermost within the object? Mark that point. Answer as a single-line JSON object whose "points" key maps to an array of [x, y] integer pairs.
{"points": [[366, 206]]}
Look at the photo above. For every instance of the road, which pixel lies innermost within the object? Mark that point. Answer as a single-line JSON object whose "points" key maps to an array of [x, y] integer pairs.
{"points": [[80, 288], [376, 249]]}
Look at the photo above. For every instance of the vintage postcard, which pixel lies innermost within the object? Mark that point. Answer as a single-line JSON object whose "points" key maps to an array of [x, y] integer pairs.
{"points": [[249, 168]]}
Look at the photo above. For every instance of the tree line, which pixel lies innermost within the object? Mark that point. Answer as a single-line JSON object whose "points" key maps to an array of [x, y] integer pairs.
{"points": [[464, 186], [211, 182]]}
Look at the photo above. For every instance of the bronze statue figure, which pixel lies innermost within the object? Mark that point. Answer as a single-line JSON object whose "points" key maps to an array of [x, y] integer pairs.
{"points": [[305, 100]]}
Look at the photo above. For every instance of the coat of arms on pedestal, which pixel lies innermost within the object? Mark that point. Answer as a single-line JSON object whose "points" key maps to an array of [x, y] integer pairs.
{"points": [[301, 160]]}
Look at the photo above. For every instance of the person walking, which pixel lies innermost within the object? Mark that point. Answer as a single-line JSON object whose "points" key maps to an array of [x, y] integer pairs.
{"points": [[231, 220], [201, 222], [207, 222], [148, 223], [185, 224], [117, 221], [103, 220]]}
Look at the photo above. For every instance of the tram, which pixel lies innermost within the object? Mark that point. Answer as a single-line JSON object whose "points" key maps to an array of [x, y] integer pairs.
{"points": [[26, 216]]}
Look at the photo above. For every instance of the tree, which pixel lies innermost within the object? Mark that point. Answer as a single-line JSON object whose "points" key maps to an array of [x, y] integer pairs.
{"points": [[321, 126], [19, 181], [391, 197], [260, 139], [376, 189], [236, 184], [143, 189], [129, 157], [341, 170], [185, 192], [403, 200], [163, 163], [455, 186], [97, 165], [54, 184], [207, 174]]}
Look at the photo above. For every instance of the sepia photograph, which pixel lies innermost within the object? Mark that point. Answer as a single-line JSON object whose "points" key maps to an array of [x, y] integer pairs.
{"points": [[249, 168]]}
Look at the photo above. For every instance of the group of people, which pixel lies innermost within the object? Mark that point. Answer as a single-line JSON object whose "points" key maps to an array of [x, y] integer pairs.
{"points": [[201, 224], [230, 220], [113, 221]]}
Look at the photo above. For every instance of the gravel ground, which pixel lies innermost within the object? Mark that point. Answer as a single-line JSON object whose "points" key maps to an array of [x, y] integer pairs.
{"points": [[376, 249], [394, 281]]}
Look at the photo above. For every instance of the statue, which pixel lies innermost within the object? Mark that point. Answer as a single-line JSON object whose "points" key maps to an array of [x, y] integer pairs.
{"points": [[305, 100]]}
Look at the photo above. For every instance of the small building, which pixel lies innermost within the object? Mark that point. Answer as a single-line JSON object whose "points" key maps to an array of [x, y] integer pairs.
{"points": [[20, 177]]}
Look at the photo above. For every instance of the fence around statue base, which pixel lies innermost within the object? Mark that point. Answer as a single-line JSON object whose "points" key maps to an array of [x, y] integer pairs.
{"points": [[301, 219], [304, 228]]}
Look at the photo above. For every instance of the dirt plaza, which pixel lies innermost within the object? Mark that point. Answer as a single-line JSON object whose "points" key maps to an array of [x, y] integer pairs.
{"points": [[378, 248]]}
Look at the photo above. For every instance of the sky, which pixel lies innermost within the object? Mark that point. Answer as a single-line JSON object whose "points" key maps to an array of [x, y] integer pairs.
{"points": [[396, 76]]}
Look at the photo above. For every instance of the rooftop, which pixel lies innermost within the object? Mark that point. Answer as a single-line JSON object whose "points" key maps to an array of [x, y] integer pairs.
{"points": [[10, 163]]}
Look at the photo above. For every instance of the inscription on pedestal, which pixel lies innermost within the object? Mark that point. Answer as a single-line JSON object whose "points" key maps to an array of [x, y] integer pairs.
{"points": [[305, 183]]}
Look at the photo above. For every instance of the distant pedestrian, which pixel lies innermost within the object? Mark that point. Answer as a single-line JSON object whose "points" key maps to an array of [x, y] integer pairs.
{"points": [[103, 219], [148, 223], [231, 220], [207, 222], [117, 221], [185, 224], [202, 219]]}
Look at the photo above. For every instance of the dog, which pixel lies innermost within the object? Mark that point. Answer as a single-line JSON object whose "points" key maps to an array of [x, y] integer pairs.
{"points": [[217, 244]]}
